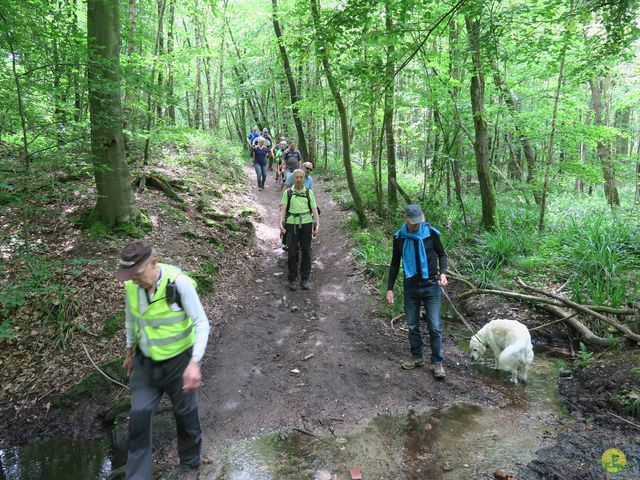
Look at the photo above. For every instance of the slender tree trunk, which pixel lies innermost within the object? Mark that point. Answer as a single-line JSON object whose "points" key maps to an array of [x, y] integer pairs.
{"points": [[342, 111], [295, 112], [160, 99], [171, 107], [374, 154], [599, 91], [481, 143], [456, 73], [389, 91], [221, 65], [129, 123], [552, 136], [115, 204], [156, 49], [637, 198], [515, 109]]}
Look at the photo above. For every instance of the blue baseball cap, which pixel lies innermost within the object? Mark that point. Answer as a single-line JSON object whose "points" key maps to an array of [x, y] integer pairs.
{"points": [[414, 213]]}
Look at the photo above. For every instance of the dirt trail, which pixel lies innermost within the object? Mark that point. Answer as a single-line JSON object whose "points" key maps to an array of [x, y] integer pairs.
{"points": [[353, 373]]}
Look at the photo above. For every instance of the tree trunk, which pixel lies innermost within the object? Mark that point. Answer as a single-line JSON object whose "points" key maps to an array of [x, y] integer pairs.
{"points": [[515, 109], [599, 91], [302, 141], [115, 204], [171, 107], [221, 66], [622, 123], [389, 91], [456, 73], [342, 111], [552, 136], [129, 123], [160, 99], [637, 198], [481, 143]]}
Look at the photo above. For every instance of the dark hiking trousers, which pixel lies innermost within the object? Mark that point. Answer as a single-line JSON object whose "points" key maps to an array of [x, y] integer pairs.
{"points": [[299, 235], [149, 380]]}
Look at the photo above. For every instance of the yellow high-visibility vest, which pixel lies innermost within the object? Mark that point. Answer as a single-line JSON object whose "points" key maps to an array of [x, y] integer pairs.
{"points": [[165, 332]]}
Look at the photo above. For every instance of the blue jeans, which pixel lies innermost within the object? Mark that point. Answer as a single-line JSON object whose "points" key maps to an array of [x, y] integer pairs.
{"points": [[261, 173], [427, 294]]}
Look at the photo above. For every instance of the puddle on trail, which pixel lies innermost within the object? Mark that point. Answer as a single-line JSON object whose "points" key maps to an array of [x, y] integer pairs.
{"points": [[463, 441], [57, 459]]}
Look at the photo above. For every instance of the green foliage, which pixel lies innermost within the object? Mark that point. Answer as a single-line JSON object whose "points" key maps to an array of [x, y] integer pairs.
{"points": [[113, 325], [5, 330], [584, 358], [604, 254], [627, 402]]}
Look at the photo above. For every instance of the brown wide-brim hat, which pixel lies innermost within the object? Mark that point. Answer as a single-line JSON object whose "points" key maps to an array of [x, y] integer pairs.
{"points": [[132, 259]]}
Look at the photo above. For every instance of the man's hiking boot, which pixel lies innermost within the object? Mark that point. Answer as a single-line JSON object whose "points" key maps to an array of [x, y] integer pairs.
{"points": [[412, 362], [187, 473], [438, 370], [305, 284], [292, 285]]}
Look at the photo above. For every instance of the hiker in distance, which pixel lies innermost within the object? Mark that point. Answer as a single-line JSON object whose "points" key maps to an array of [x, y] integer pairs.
{"points": [[291, 159], [260, 152], [250, 139], [167, 331], [424, 263], [299, 220]]}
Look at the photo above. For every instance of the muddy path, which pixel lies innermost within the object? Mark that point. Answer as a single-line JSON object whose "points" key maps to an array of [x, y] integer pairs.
{"points": [[353, 373], [307, 384], [323, 363]]}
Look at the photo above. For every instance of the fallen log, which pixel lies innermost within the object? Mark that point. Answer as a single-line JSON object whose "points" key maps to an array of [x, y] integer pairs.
{"points": [[158, 183], [557, 303], [581, 308], [585, 333]]}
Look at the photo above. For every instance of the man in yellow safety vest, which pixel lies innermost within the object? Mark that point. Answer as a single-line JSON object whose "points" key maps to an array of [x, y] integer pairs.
{"points": [[167, 332]]}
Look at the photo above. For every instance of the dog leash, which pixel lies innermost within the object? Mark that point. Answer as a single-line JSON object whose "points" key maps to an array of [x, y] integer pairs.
{"points": [[459, 315]]}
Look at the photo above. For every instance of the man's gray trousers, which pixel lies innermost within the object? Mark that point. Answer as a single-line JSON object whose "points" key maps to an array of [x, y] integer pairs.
{"points": [[149, 381]]}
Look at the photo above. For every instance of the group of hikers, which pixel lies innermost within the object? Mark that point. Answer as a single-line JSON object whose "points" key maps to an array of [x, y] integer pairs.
{"points": [[167, 328], [299, 219]]}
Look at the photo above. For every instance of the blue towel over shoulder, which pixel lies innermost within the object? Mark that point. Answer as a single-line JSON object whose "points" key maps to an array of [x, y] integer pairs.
{"points": [[409, 261]]}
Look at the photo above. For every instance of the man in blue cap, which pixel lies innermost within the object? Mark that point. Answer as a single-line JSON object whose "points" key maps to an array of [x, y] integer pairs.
{"points": [[424, 263]]}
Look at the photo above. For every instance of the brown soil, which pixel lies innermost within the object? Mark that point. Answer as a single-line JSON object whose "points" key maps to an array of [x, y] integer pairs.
{"points": [[262, 332]]}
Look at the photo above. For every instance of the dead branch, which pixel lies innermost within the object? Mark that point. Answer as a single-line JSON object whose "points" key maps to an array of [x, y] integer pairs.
{"points": [[99, 370], [158, 183], [585, 333], [557, 303], [581, 308]]}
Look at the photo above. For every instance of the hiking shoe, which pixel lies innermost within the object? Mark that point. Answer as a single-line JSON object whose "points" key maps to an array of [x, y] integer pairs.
{"points": [[305, 284], [438, 370], [292, 285], [412, 362], [187, 473]]}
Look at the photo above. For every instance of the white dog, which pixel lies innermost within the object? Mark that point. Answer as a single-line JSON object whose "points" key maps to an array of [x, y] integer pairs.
{"points": [[510, 342]]}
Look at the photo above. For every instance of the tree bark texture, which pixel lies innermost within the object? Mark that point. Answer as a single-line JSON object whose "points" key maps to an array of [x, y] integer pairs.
{"points": [[481, 143], [115, 204]]}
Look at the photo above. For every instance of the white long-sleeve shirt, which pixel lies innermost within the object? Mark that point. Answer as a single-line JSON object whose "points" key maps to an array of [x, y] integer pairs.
{"points": [[191, 305]]}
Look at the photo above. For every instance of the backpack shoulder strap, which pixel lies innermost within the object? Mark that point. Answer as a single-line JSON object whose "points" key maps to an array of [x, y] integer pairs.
{"points": [[289, 195]]}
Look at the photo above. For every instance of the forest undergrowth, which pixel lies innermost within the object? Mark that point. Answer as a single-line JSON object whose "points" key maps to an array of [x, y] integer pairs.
{"points": [[58, 292]]}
